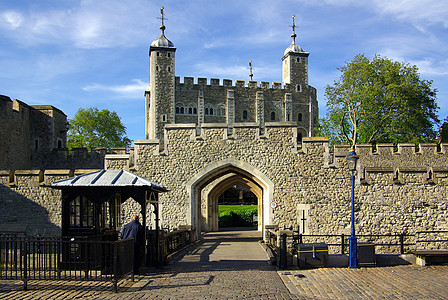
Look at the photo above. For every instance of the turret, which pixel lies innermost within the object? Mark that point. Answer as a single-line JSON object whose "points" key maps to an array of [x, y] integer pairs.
{"points": [[295, 64], [159, 95]]}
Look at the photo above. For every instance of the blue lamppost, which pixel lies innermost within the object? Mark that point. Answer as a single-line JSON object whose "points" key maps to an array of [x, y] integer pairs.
{"points": [[352, 159]]}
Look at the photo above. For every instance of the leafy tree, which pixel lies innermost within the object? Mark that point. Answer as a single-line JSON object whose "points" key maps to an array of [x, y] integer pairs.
{"points": [[379, 101], [92, 128], [444, 131]]}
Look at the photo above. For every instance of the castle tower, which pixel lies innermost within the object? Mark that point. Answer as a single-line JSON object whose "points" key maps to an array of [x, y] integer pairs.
{"points": [[159, 96], [295, 65]]}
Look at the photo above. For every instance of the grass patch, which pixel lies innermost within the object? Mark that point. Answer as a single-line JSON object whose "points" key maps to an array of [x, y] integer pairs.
{"points": [[237, 215]]}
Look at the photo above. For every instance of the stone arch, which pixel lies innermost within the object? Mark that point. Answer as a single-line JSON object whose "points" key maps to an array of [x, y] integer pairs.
{"points": [[216, 188], [217, 175]]}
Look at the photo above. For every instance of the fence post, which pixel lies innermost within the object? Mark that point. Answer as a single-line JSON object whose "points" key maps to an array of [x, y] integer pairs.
{"points": [[283, 262], [342, 243], [115, 246], [25, 265], [402, 243]]}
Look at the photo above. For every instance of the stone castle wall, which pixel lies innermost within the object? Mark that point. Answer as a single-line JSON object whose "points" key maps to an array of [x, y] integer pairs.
{"points": [[403, 191], [29, 205], [15, 149], [34, 137], [286, 102]]}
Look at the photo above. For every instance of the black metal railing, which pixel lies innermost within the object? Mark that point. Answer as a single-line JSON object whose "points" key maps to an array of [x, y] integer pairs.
{"points": [[386, 243], [65, 258], [383, 243], [176, 240]]}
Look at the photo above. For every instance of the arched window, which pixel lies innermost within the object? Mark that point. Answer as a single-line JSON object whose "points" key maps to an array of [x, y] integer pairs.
{"points": [[272, 116], [169, 54], [244, 114], [299, 118], [289, 117], [182, 110], [299, 137], [177, 110], [299, 88], [195, 111], [169, 69], [206, 111], [157, 68], [211, 111], [190, 110]]}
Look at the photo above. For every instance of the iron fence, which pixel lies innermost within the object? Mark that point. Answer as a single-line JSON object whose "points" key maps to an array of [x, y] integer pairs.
{"points": [[384, 243], [64, 258]]}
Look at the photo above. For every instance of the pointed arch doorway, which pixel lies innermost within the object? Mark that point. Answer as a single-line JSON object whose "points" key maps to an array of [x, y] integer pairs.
{"points": [[206, 186]]}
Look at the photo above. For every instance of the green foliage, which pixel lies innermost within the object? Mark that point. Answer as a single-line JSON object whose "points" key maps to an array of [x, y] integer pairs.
{"points": [[237, 215], [380, 101], [444, 131], [92, 128]]}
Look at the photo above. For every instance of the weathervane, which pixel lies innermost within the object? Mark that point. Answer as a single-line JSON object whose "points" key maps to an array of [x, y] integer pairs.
{"points": [[293, 26], [250, 67], [163, 15]]}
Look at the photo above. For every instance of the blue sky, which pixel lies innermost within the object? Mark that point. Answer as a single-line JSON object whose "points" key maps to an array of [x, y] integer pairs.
{"points": [[74, 53]]}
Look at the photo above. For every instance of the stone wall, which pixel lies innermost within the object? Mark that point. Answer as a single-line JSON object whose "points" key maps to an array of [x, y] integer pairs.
{"points": [[402, 191], [214, 96], [29, 205], [34, 137], [15, 148]]}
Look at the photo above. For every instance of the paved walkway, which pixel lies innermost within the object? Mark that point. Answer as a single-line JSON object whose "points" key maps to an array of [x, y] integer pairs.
{"points": [[232, 265], [398, 282]]}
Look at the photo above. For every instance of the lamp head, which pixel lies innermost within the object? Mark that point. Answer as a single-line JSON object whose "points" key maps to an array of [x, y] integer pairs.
{"points": [[352, 159]]}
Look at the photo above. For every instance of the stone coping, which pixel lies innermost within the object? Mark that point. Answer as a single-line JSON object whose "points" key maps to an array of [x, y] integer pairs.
{"points": [[147, 142], [117, 156], [58, 173]]}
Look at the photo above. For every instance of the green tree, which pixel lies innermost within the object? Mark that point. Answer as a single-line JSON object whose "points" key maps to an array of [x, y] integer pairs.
{"points": [[92, 128], [381, 101], [444, 131]]}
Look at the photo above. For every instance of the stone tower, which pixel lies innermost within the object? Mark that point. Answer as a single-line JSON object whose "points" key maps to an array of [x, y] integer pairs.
{"points": [[295, 79], [159, 96], [295, 65]]}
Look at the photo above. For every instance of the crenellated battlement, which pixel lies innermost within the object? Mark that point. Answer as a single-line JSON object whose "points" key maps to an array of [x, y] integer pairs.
{"points": [[190, 81], [36, 178]]}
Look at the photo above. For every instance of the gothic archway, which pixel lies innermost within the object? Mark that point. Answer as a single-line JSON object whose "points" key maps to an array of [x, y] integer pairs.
{"points": [[215, 177]]}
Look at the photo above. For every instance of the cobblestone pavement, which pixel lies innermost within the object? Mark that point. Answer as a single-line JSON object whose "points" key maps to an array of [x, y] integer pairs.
{"points": [[232, 265], [397, 282], [226, 265]]}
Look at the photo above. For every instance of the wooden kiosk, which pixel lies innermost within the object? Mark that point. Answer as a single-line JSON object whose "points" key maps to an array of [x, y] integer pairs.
{"points": [[91, 203]]}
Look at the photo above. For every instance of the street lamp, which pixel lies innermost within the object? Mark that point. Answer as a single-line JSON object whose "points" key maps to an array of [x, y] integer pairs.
{"points": [[352, 159]]}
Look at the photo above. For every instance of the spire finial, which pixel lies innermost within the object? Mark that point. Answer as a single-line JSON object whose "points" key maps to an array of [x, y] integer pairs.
{"points": [[250, 67], [293, 26], [162, 18]]}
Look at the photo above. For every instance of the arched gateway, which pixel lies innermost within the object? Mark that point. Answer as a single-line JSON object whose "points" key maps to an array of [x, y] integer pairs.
{"points": [[206, 186]]}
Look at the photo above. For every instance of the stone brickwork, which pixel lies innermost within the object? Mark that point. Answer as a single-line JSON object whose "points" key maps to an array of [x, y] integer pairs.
{"points": [[34, 137], [29, 205], [170, 101], [403, 191]]}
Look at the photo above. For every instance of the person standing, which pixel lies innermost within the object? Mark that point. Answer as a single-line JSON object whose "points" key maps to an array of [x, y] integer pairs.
{"points": [[136, 231]]}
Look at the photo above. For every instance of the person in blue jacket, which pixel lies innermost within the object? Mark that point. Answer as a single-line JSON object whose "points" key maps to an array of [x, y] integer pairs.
{"points": [[136, 231]]}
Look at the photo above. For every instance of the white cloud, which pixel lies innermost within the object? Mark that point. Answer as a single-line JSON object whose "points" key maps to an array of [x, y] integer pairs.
{"points": [[428, 67], [91, 24], [13, 19], [127, 90], [417, 12]]}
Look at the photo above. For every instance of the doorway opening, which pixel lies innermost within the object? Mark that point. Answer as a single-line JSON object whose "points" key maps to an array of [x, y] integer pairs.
{"points": [[238, 207]]}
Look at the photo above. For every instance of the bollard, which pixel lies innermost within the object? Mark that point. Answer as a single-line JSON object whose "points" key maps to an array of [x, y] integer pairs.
{"points": [[283, 260]]}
